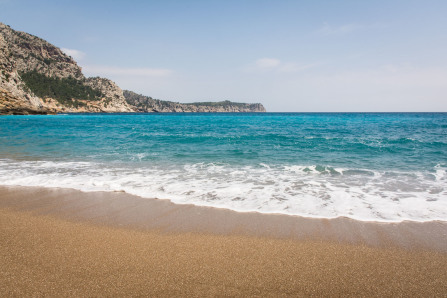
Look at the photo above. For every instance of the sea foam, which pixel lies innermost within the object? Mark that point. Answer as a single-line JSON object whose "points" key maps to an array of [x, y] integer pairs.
{"points": [[368, 166], [310, 191]]}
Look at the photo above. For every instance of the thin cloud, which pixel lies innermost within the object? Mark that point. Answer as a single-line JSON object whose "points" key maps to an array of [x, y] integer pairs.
{"points": [[294, 67], [75, 54], [264, 65], [397, 76], [389, 88], [344, 29], [267, 63], [338, 30], [119, 71]]}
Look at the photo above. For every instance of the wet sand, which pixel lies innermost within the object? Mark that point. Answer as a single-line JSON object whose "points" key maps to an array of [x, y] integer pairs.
{"points": [[61, 242]]}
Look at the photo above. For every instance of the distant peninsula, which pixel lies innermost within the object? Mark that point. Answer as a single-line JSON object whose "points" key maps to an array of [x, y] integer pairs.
{"points": [[38, 78]]}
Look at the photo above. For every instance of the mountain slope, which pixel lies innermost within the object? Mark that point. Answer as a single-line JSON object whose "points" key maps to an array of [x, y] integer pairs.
{"points": [[143, 103], [38, 75], [38, 78]]}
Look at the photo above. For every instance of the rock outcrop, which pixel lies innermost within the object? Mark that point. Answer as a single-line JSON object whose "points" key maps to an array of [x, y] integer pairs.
{"points": [[146, 104], [38, 78], [22, 54], [10, 104]]}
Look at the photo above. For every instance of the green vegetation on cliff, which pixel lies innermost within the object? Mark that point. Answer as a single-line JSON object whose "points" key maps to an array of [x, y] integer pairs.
{"points": [[143, 103], [225, 103], [32, 70], [64, 90]]}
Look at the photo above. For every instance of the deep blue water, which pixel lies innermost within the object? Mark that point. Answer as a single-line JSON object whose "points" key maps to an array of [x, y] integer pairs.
{"points": [[373, 166]]}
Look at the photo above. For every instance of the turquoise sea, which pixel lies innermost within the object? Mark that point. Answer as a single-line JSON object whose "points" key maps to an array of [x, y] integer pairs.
{"points": [[367, 166]]}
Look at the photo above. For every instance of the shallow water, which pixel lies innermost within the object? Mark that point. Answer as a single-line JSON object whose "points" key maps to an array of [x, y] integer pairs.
{"points": [[381, 167]]}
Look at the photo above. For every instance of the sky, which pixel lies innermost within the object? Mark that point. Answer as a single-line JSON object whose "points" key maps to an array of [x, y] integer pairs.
{"points": [[292, 56]]}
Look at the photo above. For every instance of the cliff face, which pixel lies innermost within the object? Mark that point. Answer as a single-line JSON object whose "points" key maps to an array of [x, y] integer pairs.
{"points": [[34, 73], [12, 93], [10, 104], [143, 103], [38, 78]]}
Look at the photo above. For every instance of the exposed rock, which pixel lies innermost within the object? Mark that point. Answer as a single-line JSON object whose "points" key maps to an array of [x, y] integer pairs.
{"points": [[27, 52], [148, 104], [37, 77], [114, 99], [10, 79], [9, 104], [22, 53]]}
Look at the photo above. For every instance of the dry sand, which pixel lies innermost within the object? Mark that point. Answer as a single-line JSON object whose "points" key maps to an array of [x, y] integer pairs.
{"points": [[56, 242]]}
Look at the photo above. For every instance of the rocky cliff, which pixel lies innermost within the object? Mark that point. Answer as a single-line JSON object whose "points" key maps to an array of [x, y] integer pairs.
{"points": [[143, 103], [38, 78]]}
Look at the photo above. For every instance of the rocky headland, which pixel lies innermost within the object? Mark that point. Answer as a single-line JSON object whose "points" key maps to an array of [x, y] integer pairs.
{"points": [[143, 103], [39, 78]]}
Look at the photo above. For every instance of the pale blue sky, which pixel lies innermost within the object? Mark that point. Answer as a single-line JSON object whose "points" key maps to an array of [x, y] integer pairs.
{"points": [[289, 55]]}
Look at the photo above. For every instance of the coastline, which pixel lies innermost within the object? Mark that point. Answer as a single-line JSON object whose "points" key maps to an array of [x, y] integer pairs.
{"points": [[119, 209], [66, 242]]}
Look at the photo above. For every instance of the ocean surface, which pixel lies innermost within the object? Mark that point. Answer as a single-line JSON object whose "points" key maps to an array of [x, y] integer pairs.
{"points": [[367, 166]]}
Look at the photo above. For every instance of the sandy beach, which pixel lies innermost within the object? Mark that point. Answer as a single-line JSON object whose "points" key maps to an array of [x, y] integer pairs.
{"points": [[61, 242]]}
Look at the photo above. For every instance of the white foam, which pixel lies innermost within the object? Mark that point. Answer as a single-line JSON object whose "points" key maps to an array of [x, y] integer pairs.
{"points": [[312, 191]]}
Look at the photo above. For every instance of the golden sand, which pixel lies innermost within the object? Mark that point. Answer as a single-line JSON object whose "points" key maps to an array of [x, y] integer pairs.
{"points": [[43, 255], [56, 242]]}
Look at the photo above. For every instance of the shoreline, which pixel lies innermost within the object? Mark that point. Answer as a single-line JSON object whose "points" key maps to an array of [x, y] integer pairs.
{"points": [[119, 209], [63, 242]]}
